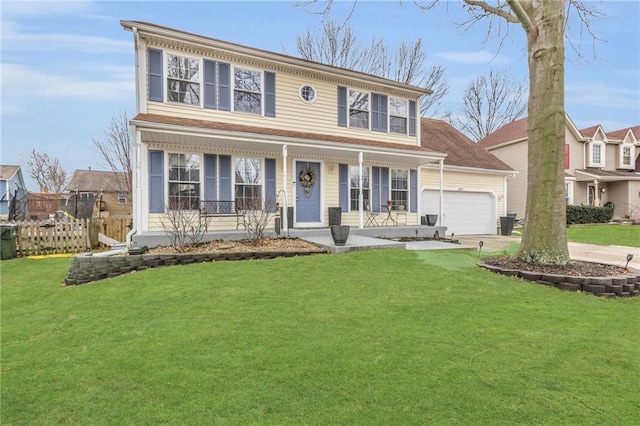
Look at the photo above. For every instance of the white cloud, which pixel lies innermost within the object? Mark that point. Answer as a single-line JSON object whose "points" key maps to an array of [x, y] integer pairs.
{"points": [[601, 95], [480, 57], [46, 7], [13, 39], [22, 83]]}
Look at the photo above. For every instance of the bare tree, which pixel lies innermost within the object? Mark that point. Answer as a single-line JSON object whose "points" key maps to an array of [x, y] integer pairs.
{"points": [[543, 22], [184, 227], [46, 171], [338, 45], [490, 102], [116, 149]]}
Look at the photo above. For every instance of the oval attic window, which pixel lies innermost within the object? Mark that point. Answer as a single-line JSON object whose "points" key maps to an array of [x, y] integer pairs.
{"points": [[307, 93]]}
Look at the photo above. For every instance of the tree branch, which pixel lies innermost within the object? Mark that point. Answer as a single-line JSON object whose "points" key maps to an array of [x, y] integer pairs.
{"points": [[521, 14], [499, 10]]}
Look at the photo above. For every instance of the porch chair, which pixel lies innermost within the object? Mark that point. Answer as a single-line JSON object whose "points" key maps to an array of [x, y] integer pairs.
{"points": [[371, 216]]}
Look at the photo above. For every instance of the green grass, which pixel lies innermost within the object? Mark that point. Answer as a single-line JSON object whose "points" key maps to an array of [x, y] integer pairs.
{"points": [[377, 338], [605, 234]]}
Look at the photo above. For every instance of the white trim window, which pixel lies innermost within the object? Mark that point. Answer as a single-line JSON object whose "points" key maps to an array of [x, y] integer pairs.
{"points": [[568, 191], [596, 154], [122, 198], [358, 109], [247, 90], [354, 187], [307, 93], [400, 187], [398, 113], [184, 181], [183, 80], [248, 183], [627, 153]]}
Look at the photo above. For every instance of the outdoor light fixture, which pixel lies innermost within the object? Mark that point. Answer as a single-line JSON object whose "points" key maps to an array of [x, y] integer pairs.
{"points": [[480, 244], [629, 257], [277, 207]]}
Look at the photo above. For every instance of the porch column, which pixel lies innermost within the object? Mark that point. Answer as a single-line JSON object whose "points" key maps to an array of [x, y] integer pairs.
{"points": [[596, 195], [360, 201], [441, 211], [285, 212]]}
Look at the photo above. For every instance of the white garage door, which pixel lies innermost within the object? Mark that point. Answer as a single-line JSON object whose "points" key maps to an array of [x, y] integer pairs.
{"points": [[465, 213]]}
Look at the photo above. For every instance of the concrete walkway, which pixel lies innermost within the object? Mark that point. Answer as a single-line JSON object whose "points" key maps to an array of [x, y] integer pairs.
{"points": [[611, 255]]}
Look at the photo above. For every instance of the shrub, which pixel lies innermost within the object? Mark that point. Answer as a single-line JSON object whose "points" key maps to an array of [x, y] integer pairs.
{"points": [[589, 214]]}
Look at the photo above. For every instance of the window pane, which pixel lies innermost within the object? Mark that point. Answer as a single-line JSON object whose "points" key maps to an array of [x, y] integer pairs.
{"points": [[398, 125], [184, 92], [247, 102], [183, 68], [359, 119], [247, 80], [398, 107], [248, 189], [184, 181], [358, 100]]}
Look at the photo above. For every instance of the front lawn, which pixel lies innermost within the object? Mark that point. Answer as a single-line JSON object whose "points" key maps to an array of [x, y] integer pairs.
{"points": [[372, 337], [605, 234]]}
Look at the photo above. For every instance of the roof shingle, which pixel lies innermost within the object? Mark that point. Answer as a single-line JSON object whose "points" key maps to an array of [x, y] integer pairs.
{"points": [[507, 133]]}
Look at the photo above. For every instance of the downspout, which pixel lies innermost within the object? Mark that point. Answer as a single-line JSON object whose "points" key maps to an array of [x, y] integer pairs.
{"points": [[441, 211], [360, 201], [504, 196]]}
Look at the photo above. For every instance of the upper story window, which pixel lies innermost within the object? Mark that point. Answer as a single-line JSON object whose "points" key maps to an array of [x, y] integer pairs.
{"points": [[308, 93], [358, 109], [398, 115], [183, 80], [627, 154], [122, 198], [247, 93], [596, 158]]}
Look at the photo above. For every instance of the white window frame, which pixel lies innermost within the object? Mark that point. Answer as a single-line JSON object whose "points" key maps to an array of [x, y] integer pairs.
{"points": [[300, 91], [406, 117], [568, 191], [234, 160], [168, 179], [632, 155], [391, 189], [354, 170], [349, 109], [167, 78], [592, 145], [233, 89]]}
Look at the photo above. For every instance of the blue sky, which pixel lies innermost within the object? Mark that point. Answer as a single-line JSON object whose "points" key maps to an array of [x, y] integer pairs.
{"points": [[67, 66]]}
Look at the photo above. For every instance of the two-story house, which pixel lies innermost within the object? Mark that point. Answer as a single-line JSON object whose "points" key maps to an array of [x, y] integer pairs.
{"points": [[220, 123], [599, 166]]}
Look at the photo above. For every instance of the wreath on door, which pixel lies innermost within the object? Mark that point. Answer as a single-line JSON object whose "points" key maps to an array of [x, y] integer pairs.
{"points": [[307, 179]]}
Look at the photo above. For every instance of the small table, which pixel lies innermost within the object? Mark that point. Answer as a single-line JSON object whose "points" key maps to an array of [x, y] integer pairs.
{"points": [[389, 217]]}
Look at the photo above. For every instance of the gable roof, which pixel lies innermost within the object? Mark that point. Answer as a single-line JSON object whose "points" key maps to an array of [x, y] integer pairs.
{"points": [[96, 181], [7, 171], [516, 130], [440, 136], [590, 132], [622, 133]]}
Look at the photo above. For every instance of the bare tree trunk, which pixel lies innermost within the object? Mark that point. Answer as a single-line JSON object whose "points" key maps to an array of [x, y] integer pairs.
{"points": [[545, 240]]}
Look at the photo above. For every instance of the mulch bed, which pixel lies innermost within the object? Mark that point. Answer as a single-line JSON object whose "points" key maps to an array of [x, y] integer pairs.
{"points": [[576, 268]]}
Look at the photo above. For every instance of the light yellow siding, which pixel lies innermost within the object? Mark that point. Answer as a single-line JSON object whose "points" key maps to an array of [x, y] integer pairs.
{"points": [[292, 113]]}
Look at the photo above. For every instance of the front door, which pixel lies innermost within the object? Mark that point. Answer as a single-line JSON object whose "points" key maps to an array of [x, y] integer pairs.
{"points": [[308, 191]]}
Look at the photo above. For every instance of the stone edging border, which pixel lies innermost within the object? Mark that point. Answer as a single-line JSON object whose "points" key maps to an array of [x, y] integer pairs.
{"points": [[613, 286], [86, 268]]}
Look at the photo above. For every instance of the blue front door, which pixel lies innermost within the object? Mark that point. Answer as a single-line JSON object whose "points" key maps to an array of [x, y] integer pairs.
{"points": [[308, 191]]}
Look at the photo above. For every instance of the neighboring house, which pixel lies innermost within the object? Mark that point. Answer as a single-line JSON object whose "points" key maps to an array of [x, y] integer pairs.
{"points": [[109, 189], [11, 186], [219, 122], [474, 181], [599, 166]]}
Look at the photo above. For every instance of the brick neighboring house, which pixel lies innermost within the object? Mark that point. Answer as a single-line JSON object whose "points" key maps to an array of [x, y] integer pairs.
{"points": [[109, 189], [599, 166]]}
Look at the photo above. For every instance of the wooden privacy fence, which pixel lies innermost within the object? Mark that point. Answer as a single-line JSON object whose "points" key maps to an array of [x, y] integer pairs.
{"points": [[115, 227], [37, 237]]}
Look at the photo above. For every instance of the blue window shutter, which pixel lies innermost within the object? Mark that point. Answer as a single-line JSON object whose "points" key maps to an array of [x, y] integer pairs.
{"points": [[270, 183], [413, 190], [375, 189], [224, 86], [210, 84], [384, 184], [155, 75], [226, 193], [342, 106], [269, 94], [412, 118], [210, 178], [156, 181], [384, 101], [375, 112], [343, 179]]}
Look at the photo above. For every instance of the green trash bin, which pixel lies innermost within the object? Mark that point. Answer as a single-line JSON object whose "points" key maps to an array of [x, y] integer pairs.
{"points": [[8, 235]]}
